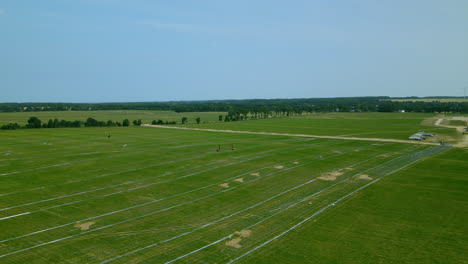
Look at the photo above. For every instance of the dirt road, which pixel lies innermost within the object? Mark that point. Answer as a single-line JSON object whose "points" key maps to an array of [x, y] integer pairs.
{"points": [[296, 135], [463, 143]]}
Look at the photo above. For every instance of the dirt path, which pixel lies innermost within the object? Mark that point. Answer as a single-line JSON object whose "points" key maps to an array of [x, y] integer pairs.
{"points": [[296, 135], [463, 143]]}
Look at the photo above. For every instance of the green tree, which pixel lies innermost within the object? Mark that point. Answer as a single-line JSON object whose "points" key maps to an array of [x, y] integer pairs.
{"points": [[126, 123], [76, 123], [198, 120], [184, 120], [34, 122], [91, 122], [220, 118], [10, 126]]}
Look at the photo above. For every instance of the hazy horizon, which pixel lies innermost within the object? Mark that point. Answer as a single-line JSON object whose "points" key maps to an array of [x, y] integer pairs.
{"points": [[147, 51], [229, 99]]}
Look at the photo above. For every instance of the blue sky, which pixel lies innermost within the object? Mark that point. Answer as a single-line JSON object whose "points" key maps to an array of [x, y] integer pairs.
{"points": [[112, 50]]}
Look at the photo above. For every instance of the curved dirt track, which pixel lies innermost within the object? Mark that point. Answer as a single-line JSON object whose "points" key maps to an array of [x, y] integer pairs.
{"points": [[464, 141], [295, 135]]}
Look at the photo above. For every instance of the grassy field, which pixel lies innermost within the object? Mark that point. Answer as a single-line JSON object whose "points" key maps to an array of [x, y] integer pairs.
{"points": [[458, 123], [416, 216], [116, 115], [149, 195], [368, 125], [375, 125]]}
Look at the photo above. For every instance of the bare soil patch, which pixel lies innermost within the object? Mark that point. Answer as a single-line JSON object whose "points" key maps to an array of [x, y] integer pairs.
{"points": [[462, 141], [255, 174], [296, 162], [279, 167], [239, 180], [234, 243], [84, 226], [224, 185], [364, 177], [243, 233], [331, 176]]}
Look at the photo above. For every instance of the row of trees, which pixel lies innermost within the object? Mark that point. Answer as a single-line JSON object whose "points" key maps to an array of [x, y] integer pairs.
{"points": [[258, 108], [160, 122], [185, 120], [34, 122]]}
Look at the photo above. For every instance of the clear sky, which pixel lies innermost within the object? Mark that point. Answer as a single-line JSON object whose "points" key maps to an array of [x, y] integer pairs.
{"points": [[159, 50]]}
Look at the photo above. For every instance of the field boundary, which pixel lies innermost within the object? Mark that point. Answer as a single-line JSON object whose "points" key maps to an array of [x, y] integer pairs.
{"points": [[295, 135]]}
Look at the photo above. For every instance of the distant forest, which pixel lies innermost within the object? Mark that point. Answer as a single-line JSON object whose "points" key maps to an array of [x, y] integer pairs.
{"points": [[256, 107]]}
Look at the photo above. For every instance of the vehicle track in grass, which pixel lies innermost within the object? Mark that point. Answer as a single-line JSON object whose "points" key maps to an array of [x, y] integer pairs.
{"points": [[328, 206], [253, 206], [165, 198], [261, 154], [157, 211]]}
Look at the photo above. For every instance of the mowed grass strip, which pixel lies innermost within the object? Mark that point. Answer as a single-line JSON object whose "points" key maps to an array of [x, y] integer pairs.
{"points": [[116, 162], [199, 240], [191, 210], [149, 180], [34, 196], [224, 255], [157, 191], [366, 125], [417, 215]]}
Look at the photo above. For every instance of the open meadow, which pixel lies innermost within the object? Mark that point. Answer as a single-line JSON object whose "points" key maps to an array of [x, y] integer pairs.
{"points": [[152, 195], [361, 125]]}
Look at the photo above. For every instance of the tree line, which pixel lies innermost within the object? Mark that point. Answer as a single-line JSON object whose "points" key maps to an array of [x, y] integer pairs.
{"points": [[34, 122], [257, 108]]}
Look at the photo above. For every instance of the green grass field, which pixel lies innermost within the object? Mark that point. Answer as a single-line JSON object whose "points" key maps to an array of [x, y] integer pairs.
{"points": [[367, 125], [150, 195], [115, 115], [417, 215], [373, 125], [458, 123]]}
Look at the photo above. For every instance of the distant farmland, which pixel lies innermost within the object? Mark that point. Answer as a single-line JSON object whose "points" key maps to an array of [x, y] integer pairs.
{"points": [[370, 125]]}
